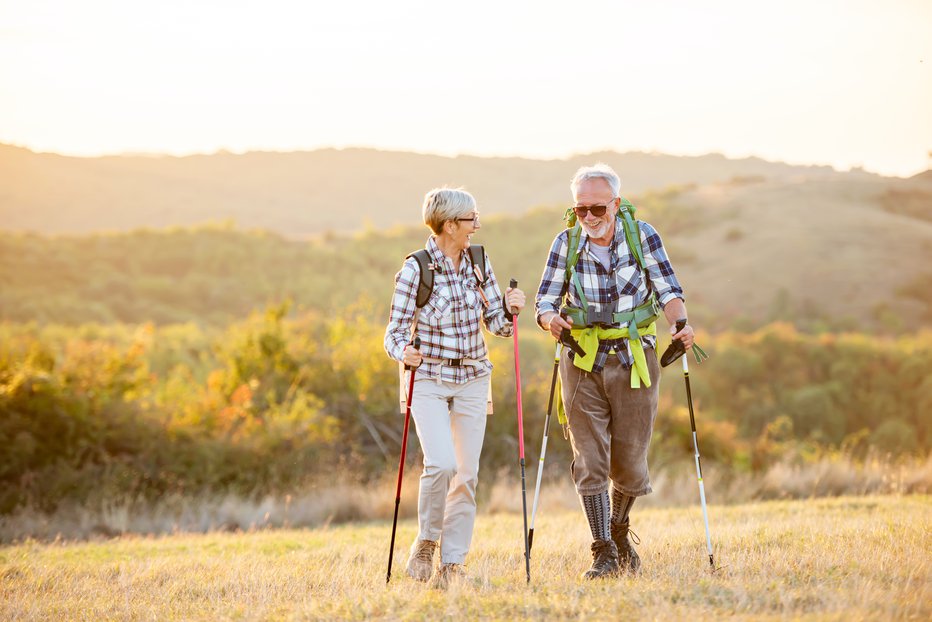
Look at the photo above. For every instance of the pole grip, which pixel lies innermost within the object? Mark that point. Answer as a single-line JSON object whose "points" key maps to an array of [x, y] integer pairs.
{"points": [[513, 284], [417, 346]]}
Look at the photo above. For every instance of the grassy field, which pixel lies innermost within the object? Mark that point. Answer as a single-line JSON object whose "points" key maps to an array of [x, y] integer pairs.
{"points": [[849, 558]]}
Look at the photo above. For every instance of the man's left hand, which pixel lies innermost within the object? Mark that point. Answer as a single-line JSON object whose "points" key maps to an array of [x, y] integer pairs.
{"points": [[687, 336]]}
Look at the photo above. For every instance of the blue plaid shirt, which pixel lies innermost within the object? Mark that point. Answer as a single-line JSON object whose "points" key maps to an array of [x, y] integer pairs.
{"points": [[620, 289], [449, 324]]}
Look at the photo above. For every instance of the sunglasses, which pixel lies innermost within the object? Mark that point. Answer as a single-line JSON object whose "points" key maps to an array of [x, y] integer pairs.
{"points": [[597, 210]]}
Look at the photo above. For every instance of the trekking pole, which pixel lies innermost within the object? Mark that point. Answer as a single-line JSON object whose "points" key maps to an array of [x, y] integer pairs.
{"points": [[543, 448], [680, 324], [524, 534], [401, 463]]}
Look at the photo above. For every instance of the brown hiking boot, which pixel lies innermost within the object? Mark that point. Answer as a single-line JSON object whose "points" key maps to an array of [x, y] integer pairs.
{"points": [[421, 559], [448, 574], [604, 560], [628, 558]]}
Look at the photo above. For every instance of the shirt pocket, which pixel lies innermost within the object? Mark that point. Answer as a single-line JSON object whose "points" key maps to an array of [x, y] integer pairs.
{"points": [[473, 297], [628, 275], [439, 306]]}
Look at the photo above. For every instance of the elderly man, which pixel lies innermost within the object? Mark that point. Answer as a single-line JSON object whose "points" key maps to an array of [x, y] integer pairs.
{"points": [[606, 280]]}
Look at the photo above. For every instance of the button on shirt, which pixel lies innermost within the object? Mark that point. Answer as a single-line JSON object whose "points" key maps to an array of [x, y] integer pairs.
{"points": [[620, 288], [449, 324]]}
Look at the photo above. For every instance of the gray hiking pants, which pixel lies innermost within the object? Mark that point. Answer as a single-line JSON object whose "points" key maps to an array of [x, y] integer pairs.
{"points": [[610, 425]]}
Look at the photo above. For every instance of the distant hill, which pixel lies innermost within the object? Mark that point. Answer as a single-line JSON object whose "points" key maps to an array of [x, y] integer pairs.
{"points": [[827, 253], [301, 194]]}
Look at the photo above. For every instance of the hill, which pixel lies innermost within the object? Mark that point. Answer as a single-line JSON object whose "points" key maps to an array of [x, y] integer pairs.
{"points": [[836, 253], [305, 193]]}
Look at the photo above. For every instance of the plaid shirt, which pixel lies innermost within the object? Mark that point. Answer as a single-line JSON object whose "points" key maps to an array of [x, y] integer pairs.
{"points": [[623, 285], [448, 324]]}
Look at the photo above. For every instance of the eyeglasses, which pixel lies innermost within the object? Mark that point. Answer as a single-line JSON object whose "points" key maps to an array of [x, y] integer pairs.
{"points": [[597, 210], [474, 220]]}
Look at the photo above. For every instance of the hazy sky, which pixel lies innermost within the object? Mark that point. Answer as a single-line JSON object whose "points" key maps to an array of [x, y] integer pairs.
{"points": [[846, 83]]}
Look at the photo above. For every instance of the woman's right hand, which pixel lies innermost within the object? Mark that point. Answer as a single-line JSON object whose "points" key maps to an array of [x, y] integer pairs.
{"points": [[412, 356]]}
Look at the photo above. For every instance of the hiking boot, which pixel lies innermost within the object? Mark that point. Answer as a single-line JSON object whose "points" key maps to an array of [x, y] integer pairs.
{"points": [[448, 574], [604, 560], [628, 558], [421, 559]]}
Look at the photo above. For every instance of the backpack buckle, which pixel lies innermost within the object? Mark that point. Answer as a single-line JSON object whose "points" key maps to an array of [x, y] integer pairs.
{"points": [[603, 317]]}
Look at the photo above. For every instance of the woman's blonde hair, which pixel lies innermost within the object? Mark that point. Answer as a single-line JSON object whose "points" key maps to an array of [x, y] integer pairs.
{"points": [[443, 204]]}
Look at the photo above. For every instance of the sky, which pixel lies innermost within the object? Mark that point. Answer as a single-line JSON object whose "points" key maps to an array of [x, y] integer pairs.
{"points": [[847, 84]]}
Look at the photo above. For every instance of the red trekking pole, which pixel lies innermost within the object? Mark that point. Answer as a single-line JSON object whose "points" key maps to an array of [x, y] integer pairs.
{"points": [[524, 533], [401, 463]]}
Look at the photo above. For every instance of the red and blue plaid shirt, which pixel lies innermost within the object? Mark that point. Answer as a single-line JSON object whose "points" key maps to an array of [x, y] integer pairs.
{"points": [[620, 289], [449, 324]]}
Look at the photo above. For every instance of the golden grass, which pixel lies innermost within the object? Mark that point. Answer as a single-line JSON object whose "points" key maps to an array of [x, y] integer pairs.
{"points": [[849, 558]]}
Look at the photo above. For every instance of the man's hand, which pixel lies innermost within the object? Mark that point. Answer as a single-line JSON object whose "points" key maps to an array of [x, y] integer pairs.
{"points": [[555, 324], [687, 336]]}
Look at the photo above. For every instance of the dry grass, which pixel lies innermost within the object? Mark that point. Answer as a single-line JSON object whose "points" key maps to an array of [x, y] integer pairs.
{"points": [[863, 558], [335, 502]]}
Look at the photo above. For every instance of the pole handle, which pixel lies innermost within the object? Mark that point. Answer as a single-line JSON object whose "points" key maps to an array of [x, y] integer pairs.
{"points": [[417, 346], [513, 284]]}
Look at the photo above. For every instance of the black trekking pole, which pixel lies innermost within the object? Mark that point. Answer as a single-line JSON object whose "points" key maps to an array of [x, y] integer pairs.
{"points": [[543, 447], [401, 463], [524, 534], [676, 350]]}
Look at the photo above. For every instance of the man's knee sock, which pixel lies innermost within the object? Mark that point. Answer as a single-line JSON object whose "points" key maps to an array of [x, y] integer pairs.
{"points": [[597, 511], [621, 506]]}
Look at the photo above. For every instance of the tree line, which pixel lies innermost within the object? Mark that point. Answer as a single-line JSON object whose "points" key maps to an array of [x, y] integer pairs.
{"points": [[289, 396]]}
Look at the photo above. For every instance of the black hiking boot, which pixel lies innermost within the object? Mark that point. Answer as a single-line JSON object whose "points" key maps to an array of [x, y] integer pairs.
{"points": [[604, 560], [628, 558]]}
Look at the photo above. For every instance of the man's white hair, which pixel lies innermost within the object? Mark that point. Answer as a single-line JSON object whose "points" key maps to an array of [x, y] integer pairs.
{"points": [[598, 171]]}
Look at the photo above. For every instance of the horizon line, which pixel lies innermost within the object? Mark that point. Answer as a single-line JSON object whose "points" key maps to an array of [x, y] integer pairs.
{"points": [[439, 154]]}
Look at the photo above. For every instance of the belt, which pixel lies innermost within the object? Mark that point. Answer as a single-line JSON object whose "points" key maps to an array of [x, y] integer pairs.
{"points": [[463, 362]]}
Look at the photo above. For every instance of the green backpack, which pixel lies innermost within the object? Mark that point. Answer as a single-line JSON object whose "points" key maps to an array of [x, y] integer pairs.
{"points": [[586, 316]]}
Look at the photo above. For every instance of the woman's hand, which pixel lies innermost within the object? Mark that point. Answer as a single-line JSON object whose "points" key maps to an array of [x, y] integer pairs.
{"points": [[412, 356], [514, 299]]}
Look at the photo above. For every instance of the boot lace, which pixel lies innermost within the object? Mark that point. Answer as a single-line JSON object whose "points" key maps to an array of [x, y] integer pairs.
{"points": [[425, 551]]}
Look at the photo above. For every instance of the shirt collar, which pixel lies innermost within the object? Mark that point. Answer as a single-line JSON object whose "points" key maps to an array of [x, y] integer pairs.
{"points": [[437, 256]]}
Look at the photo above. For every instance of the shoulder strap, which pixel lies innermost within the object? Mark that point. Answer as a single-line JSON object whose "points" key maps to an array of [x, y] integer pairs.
{"points": [[477, 257], [426, 285], [632, 230], [572, 248]]}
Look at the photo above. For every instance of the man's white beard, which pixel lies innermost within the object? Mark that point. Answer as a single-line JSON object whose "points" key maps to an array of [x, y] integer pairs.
{"points": [[595, 232]]}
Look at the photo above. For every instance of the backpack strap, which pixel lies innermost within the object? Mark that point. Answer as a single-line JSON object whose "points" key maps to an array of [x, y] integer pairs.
{"points": [[426, 285], [477, 257], [632, 232]]}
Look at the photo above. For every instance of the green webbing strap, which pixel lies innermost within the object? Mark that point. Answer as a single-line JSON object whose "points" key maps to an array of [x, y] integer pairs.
{"points": [[699, 353], [626, 211], [632, 231], [589, 339]]}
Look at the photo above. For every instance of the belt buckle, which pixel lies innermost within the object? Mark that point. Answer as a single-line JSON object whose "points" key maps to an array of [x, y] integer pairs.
{"points": [[454, 362]]}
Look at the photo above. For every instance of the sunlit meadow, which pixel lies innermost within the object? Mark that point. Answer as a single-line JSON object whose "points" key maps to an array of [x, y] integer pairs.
{"points": [[849, 558]]}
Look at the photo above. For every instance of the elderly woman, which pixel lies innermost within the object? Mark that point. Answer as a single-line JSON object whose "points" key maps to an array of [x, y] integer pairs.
{"points": [[451, 388]]}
